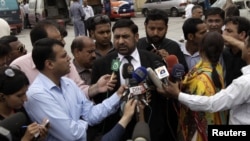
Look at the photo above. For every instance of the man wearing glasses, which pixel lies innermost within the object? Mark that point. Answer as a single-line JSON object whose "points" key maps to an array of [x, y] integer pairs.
{"points": [[15, 47]]}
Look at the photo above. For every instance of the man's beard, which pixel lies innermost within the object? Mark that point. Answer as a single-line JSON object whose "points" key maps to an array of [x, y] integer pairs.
{"points": [[156, 40]]}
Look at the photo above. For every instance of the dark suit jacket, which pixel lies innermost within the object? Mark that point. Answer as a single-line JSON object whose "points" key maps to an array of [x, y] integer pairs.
{"points": [[170, 46], [163, 119]]}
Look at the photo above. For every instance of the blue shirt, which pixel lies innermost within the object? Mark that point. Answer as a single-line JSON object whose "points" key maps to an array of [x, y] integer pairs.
{"points": [[67, 108]]}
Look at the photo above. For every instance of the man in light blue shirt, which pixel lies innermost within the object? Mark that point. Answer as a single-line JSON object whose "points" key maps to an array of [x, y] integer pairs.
{"points": [[59, 99]]}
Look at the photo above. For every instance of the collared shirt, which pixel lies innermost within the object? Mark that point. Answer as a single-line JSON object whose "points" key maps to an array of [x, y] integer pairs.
{"points": [[191, 60], [135, 62], [84, 73], [235, 97], [99, 55], [88, 12], [68, 110], [26, 64]]}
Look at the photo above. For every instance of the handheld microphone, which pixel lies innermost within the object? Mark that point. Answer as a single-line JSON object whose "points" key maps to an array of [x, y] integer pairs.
{"points": [[161, 71], [141, 132], [115, 67], [12, 124], [153, 77], [140, 74], [177, 73], [127, 70], [171, 61]]}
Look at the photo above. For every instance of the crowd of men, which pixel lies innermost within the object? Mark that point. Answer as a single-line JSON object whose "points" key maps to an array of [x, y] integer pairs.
{"points": [[82, 96]]}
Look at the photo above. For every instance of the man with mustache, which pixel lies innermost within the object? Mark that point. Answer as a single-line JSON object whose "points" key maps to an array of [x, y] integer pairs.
{"points": [[125, 38], [156, 26], [83, 50]]}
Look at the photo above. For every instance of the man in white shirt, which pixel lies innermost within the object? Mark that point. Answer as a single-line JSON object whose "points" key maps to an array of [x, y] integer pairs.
{"points": [[88, 10], [235, 97], [188, 10], [26, 11]]}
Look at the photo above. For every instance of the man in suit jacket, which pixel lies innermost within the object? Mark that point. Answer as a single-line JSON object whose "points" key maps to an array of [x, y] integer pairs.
{"points": [[125, 37]]}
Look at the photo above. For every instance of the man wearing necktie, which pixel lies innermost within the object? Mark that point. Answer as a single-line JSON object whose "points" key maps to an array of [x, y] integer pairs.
{"points": [[125, 37]]}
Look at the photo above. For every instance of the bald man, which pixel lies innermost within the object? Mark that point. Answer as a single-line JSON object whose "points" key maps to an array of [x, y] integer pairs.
{"points": [[83, 50]]}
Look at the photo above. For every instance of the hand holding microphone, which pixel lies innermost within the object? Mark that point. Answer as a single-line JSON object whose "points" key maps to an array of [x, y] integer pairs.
{"points": [[115, 67]]}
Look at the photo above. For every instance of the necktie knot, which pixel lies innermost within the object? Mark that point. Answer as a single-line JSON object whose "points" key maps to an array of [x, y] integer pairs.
{"points": [[129, 58]]}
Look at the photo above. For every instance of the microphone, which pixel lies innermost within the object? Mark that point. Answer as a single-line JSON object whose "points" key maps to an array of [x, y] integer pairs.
{"points": [[12, 124], [140, 74], [153, 77], [127, 70], [177, 73], [161, 71], [115, 67], [141, 132], [171, 60]]}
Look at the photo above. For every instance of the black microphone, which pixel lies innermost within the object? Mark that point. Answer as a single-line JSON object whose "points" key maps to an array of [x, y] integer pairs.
{"points": [[127, 70], [177, 73], [12, 124], [161, 71], [141, 132]]}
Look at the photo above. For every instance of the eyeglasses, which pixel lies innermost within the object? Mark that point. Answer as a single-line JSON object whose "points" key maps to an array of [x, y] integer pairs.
{"points": [[21, 48], [101, 19]]}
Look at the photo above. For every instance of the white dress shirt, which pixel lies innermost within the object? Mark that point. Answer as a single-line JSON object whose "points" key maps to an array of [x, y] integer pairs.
{"points": [[235, 97], [88, 12], [136, 62]]}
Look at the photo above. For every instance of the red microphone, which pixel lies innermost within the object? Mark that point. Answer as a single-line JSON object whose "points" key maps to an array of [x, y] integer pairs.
{"points": [[171, 60]]}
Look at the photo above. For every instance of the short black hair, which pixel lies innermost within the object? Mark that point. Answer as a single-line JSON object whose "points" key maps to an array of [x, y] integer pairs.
{"points": [[5, 47], [232, 11], [190, 26], [8, 39], [92, 22], [125, 23], [39, 30], [43, 50], [242, 23], [157, 14], [215, 11]]}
